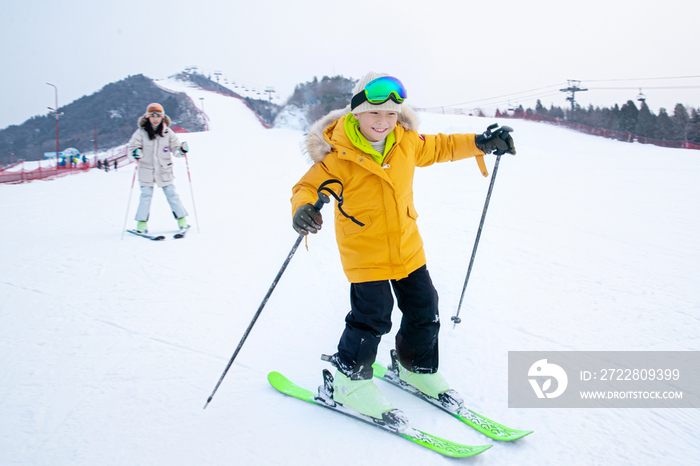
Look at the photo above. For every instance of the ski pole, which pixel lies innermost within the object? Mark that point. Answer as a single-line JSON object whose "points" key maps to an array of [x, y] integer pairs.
{"points": [[133, 180], [503, 134], [322, 199], [194, 207]]}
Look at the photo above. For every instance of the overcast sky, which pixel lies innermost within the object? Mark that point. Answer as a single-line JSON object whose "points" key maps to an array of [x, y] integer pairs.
{"points": [[447, 52]]}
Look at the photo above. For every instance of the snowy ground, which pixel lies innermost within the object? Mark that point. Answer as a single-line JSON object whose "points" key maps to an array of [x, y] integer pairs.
{"points": [[110, 347]]}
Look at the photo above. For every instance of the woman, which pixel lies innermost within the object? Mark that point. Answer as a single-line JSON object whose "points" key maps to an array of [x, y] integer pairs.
{"points": [[152, 146]]}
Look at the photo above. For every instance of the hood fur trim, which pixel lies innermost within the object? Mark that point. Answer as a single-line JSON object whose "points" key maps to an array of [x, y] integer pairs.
{"points": [[316, 146], [143, 119]]}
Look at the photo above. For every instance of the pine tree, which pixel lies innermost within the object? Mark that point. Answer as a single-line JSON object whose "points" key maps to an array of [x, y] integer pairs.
{"points": [[556, 112], [540, 109], [664, 126], [628, 116], [694, 130], [519, 112], [681, 122], [646, 121]]}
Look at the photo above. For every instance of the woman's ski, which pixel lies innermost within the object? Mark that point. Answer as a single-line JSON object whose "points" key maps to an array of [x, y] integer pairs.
{"points": [[144, 235]]}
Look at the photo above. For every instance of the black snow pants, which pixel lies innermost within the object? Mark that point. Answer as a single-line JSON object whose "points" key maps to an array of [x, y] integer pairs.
{"points": [[370, 318]]}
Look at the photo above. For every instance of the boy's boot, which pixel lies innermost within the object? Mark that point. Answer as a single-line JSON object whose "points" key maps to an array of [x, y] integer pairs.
{"points": [[142, 227], [430, 384], [361, 395], [182, 223]]}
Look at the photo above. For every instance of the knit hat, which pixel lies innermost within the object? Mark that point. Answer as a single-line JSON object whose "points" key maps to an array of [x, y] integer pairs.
{"points": [[155, 107], [389, 105]]}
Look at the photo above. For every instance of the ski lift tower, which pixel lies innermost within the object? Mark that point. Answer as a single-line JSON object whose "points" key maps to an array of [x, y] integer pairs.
{"points": [[217, 74], [269, 92], [574, 87]]}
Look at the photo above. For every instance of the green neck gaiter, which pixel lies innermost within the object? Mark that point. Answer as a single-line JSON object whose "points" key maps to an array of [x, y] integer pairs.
{"points": [[352, 129]]}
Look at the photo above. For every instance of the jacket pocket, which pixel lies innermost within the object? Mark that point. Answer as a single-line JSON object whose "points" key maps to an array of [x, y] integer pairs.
{"points": [[167, 175], [412, 211], [146, 175], [351, 228]]}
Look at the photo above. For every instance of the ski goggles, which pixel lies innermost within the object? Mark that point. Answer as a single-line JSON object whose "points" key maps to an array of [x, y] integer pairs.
{"points": [[381, 90], [154, 109]]}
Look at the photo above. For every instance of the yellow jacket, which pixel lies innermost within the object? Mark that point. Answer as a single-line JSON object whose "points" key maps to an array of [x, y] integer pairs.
{"points": [[389, 245]]}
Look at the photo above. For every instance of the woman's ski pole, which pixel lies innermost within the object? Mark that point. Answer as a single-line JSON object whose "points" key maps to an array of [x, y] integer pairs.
{"points": [[503, 134], [133, 180], [322, 199], [194, 207]]}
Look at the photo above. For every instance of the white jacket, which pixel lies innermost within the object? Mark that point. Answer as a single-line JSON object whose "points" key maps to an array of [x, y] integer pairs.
{"points": [[156, 163]]}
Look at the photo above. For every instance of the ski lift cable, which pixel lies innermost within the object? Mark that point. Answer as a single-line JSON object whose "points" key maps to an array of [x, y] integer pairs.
{"points": [[504, 95], [521, 99], [484, 103], [645, 87], [639, 79]]}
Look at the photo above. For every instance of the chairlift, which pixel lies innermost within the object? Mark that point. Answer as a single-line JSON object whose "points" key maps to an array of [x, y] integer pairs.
{"points": [[641, 97]]}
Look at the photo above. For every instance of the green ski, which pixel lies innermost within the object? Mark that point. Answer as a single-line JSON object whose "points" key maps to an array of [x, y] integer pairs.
{"points": [[452, 403], [396, 423]]}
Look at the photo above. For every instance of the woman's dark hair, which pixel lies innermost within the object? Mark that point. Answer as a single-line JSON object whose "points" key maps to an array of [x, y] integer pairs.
{"points": [[153, 132]]}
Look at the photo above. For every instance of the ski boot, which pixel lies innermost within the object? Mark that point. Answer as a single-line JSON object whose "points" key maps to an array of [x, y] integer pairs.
{"points": [[431, 385], [182, 223], [361, 395], [141, 227]]}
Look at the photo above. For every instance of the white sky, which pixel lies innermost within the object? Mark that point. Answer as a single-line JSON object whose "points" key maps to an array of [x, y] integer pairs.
{"points": [[447, 52]]}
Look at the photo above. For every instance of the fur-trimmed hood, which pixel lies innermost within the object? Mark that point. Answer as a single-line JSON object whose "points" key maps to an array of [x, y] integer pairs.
{"points": [[143, 119], [317, 146]]}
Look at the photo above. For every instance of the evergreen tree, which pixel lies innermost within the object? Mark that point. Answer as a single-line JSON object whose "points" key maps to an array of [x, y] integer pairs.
{"points": [[681, 122], [694, 130], [664, 126], [614, 118], [519, 112], [646, 121], [556, 112], [540, 109], [628, 116], [320, 97]]}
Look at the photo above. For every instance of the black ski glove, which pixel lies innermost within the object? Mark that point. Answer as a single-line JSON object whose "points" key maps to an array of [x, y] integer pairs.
{"points": [[307, 220], [499, 140], [136, 154]]}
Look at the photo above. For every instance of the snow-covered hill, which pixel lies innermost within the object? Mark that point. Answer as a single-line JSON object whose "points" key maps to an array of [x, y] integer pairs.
{"points": [[110, 347]]}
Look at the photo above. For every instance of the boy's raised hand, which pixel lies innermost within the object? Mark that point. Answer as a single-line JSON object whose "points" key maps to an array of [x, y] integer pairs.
{"points": [[307, 220], [499, 140]]}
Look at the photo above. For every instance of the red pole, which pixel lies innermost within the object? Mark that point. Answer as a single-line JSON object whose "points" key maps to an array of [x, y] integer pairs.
{"points": [[95, 138]]}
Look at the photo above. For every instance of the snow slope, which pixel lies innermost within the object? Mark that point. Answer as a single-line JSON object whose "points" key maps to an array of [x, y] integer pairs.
{"points": [[109, 348]]}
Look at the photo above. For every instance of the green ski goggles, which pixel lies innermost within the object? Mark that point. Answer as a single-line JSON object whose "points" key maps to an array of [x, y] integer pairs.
{"points": [[381, 90]]}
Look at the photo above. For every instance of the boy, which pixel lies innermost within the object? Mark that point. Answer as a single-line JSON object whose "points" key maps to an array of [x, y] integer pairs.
{"points": [[373, 147]]}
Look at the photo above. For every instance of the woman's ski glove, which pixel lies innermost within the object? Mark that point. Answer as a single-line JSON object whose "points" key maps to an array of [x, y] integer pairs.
{"points": [[136, 154], [499, 140], [184, 148], [307, 220]]}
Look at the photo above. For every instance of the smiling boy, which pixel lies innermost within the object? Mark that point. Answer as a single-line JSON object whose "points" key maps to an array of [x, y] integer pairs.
{"points": [[373, 148]]}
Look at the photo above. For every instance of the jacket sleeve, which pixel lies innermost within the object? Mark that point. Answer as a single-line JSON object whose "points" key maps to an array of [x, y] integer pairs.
{"points": [[305, 191], [136, 142], [174, 143], [437, 148]]}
